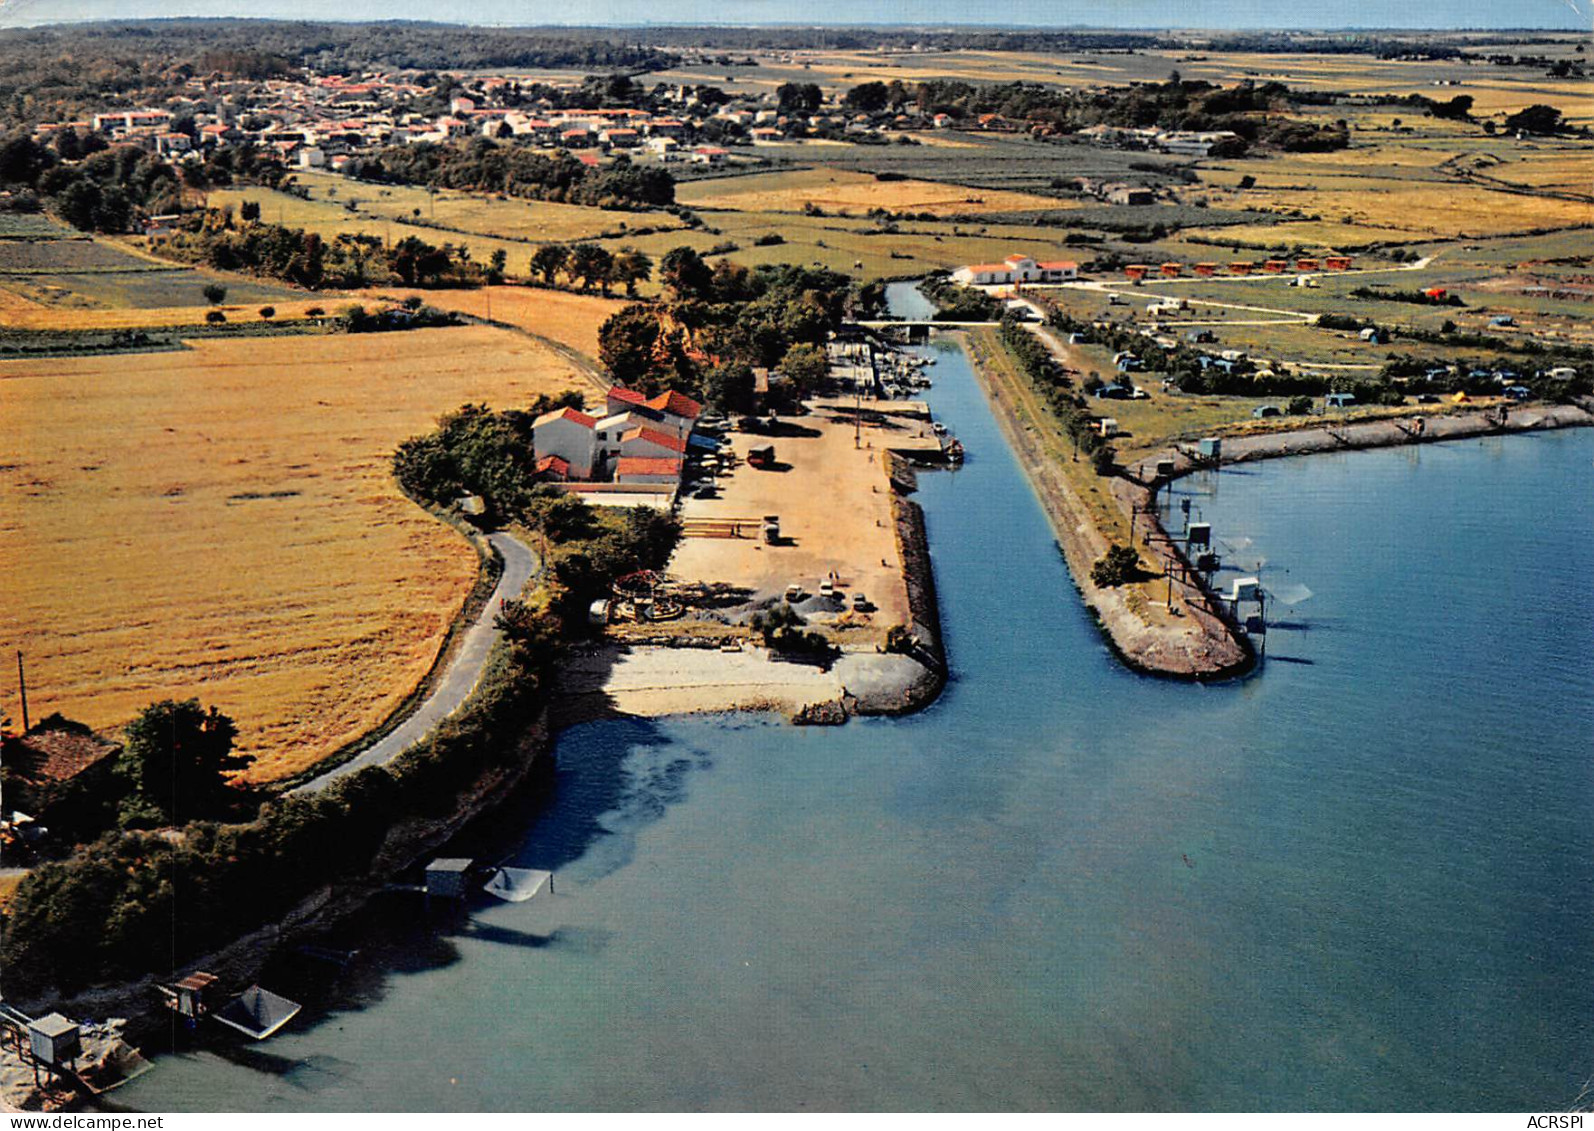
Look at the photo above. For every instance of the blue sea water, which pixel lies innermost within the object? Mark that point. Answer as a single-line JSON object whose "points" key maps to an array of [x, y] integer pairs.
{"points": [[1360, 879]]}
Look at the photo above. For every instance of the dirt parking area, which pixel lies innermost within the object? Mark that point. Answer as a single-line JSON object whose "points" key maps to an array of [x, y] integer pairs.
{"points": [[834, 503]]}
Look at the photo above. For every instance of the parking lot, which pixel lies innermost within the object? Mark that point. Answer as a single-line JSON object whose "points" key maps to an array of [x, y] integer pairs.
{"points": [[834, 503]]}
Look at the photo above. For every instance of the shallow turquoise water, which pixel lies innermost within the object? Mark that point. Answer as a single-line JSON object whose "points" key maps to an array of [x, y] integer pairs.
{"points": [[1358, 880]]}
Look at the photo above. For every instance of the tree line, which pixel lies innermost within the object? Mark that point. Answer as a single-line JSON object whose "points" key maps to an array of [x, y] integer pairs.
{"points": [[717, 323], [484, 165]]}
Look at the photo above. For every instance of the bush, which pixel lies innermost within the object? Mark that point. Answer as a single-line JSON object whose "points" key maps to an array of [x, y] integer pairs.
{"points": [[214, 293], [214, 317], [268, 313], [1118, 566], [1300, 406]]}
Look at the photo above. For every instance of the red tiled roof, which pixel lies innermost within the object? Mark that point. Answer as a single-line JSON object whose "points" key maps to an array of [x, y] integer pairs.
{"points": [[654, 436], [629, 396], [1059, 265], [574, 414], [553, 463], [979, 267], [676, 404], [647, 465]]}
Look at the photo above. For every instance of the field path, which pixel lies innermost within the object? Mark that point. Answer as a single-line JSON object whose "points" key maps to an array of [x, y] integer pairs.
{"points": [[520, 565]]}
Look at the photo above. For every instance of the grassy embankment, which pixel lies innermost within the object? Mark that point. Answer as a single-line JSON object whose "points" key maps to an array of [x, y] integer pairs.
{"points": [[1042, 433]]}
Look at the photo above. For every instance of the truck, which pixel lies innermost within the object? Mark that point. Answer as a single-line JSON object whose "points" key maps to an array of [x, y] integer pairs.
{"points": [[761, 456]]}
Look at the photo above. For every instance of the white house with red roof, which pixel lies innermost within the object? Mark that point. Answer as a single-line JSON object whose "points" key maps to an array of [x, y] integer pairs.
{"points": [[1015, 269], [570, 435], [672, 412], [651, 443], [573, 445]]}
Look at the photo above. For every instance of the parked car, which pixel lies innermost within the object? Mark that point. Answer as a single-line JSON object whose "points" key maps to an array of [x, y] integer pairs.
{"points": [[795, 593], [861, 603]]}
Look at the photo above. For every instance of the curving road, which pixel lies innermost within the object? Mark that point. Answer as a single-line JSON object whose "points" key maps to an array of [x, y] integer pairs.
{"points": [[521, 564]]}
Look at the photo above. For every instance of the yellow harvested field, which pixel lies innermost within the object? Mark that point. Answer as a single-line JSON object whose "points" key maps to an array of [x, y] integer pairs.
{"points": [[837, 190], [23, 314], [561, 316], [449, 217], [222, 523], [1420, 208]]}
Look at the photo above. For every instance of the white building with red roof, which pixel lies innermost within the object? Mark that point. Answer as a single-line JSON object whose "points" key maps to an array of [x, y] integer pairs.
{"points": [[1015, 269], [651, 443], [568, 434], [672, 412]]}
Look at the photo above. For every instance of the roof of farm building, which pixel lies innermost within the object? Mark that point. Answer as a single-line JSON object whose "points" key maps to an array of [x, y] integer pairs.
{"points": [[571, 414], [654, 436], [676, 404], [647, 465], [56, 754]]}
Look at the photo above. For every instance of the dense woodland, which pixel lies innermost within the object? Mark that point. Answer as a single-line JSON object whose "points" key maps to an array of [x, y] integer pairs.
{"points": [[98, 189], [482, 165], [719, 323]]}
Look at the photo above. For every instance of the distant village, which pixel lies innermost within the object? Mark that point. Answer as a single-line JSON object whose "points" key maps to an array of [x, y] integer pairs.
{"points": [[325, 121]]}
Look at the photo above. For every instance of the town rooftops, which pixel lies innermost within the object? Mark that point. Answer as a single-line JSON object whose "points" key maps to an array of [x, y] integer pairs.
{"points": [[574, 415], [647, 465], [554, 465], [654, 436], [1059, 265], [980, 268]]}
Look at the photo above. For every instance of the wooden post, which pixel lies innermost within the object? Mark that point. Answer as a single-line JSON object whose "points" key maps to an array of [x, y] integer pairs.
{"points": [[22, 686]]}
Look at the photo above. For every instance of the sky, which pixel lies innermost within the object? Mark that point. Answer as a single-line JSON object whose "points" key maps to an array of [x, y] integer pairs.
{"points": [[1572, 15]]}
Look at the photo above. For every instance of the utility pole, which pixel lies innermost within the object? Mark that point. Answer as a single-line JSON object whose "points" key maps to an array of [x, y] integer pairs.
{"points": [[22, 685]]}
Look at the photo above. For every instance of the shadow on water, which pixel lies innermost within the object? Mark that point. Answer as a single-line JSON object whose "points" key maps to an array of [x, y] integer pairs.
{"points": [[611, 778], [1291, 660]]}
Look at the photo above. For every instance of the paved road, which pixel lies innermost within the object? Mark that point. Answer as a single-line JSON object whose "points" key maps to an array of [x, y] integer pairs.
{"points": [[520, 565]]}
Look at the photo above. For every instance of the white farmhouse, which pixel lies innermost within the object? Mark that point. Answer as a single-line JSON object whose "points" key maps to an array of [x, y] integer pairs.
{"points": [[1015, 269], [569, 434]]}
